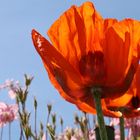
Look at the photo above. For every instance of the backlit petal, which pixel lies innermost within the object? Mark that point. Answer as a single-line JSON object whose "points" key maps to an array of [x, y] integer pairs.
{"points": [[63, 71], [75, 32]]}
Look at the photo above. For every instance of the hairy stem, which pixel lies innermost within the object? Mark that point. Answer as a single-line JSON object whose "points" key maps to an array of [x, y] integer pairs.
{"points": [[97, 100]]}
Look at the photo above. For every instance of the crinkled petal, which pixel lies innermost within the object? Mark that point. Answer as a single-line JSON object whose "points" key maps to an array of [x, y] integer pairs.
{"points": [[64, 73], [116, 51], [75, 32]]}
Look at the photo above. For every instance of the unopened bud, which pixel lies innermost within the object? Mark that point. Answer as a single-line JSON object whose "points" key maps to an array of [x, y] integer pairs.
{"points": [[49, 106], [35, 103], [28, 80]]}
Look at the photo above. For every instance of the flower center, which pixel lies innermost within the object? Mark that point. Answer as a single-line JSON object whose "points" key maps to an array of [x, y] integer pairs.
{"points": [[92, 67]]}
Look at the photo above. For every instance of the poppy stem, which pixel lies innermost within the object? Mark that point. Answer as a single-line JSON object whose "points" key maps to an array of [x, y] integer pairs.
{"points": [[97, 100], [122, 134]]}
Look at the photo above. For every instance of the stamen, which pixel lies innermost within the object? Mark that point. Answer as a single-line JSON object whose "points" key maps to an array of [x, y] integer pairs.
{"points": [[92, 67]]}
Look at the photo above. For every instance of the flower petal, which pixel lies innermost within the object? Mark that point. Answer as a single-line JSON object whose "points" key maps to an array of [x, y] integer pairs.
{"points": [[116, 51], [75, 32], [121, 101], [88, 106], [137, 78], [65, 74]]}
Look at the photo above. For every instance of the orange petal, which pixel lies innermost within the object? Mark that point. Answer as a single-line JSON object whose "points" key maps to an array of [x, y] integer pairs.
{"points": [[93, 26], [121, 45], [116, 52], [75, 32], [137, 80], [133, 27], [58, 86], [109, 22], [60, 67], [121, 101], [88, 106]]}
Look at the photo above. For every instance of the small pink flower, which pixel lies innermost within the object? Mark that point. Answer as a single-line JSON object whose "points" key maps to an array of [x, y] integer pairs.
{"points": [[91, 134], [133, 126], [12, 94], [114, 122], [8, 113], [44, 137], [12, 86], [117, 134]]}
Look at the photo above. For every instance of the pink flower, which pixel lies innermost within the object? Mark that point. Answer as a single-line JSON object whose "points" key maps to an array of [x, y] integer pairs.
{"points": [[114, 122], [91, 134], [117, 134], [12, 86], [12, 94], [8, 113], [133, 125], [44, 137]]}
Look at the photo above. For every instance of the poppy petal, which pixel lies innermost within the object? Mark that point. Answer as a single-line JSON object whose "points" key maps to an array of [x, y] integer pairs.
{"points": [[57, 63], [73, 34], [115, 48]]}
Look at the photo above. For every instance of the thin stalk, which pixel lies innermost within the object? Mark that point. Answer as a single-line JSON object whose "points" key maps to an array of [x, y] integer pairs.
{"points": [[48, 118], [35, 119], [133, 129], [86, 126], [47, 124], [35, 123], [61, 123], [97, 100], [1, 134], [9, 131], [94, 120], [122, 134], [21, 133], [61, 128]]}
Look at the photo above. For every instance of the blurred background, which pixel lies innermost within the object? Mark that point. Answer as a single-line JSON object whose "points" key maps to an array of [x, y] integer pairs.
{"points": [[18, 55]]}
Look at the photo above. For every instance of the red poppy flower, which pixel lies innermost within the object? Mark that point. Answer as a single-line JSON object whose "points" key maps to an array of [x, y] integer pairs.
{"points": [[88, 51]]}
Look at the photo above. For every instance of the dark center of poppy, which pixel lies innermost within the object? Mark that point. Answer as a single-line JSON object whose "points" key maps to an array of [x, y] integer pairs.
{"points": [[92, 67], [135, 102]]}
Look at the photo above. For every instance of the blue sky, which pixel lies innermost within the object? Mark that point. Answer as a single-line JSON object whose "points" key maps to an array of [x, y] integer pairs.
{"points": [[18, 56]]}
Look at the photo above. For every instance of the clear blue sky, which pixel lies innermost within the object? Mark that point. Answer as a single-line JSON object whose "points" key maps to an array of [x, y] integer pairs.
{"points": [[18, 56]]}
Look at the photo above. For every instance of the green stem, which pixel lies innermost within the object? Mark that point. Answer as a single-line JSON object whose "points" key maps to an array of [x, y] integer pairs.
{"points": [[21, 132], [9, 131], [47, 125], [122, 134], [85, 123], [35, 123], [97, 100], [1, 133]]}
